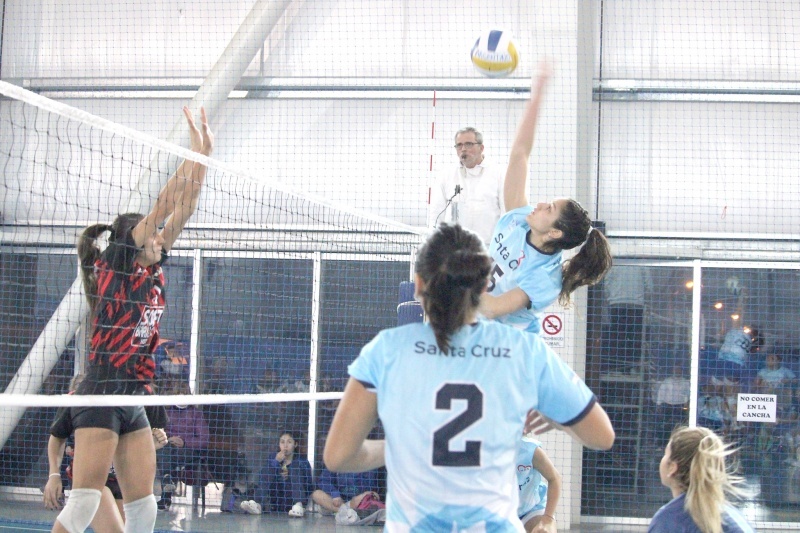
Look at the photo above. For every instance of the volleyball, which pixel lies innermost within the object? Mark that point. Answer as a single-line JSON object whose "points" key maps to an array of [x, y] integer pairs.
{"points": [[495, 54]]}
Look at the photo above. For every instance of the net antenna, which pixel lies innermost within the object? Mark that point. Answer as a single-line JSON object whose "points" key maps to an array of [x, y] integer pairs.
{"points": [[213, 93]]}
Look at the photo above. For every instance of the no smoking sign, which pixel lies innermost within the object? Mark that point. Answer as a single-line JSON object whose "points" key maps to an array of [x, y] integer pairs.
{"points": [[552, 327]]}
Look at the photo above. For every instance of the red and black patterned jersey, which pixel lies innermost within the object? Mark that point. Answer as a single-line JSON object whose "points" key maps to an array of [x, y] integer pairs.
{"points": [[125, 328]]}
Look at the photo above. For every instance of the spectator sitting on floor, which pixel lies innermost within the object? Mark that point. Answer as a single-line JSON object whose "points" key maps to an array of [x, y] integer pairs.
{"points": [[337, 489], [284, 484]]}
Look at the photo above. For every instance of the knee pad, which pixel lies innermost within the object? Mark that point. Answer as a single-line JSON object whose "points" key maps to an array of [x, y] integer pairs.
{"points": [[80, 509], [140, 515]]}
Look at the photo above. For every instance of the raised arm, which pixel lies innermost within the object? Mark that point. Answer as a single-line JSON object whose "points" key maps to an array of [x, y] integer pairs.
{"points": [[515, 191], [347, 448], [178, 200]]}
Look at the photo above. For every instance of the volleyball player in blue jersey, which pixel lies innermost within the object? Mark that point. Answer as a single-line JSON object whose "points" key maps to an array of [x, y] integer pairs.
{"points": [[539, 487], [529, 272], [450, 392]]}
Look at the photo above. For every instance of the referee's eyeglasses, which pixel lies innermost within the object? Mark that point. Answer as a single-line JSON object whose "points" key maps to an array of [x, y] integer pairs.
{"points": [[466, 145]]}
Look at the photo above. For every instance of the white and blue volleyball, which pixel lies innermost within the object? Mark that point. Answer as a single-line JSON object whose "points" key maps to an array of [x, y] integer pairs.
{"points": [[495, 54]]}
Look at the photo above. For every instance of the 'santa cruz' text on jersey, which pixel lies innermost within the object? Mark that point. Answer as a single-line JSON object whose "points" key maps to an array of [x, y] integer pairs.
{"points": [[497, 352]]}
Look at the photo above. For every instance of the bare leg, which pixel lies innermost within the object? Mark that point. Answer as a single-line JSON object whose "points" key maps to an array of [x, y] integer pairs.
{"points": [[121, 509], [94, 450], [324, 500], [108, 518], [135, 463]]}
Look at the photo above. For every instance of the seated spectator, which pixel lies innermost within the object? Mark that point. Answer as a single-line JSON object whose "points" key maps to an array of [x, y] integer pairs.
{"points": [[298, 385], [225, 460], [776, 379], [337, 489], [188, 437], [172, 360], [284, 484], [269, 382]]}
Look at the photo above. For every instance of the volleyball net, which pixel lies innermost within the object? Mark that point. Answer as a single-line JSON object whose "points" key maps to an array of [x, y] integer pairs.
{"points": [[270, 292]]}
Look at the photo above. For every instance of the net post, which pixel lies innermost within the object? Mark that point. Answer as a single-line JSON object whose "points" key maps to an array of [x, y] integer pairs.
{"points": [[194, 341], [313, 374]]}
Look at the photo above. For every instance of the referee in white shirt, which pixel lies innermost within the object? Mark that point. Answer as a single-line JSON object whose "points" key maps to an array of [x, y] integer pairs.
{"points": [[472, 193]]}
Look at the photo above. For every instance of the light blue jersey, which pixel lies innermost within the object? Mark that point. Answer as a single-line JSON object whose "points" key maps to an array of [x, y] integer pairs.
{"points": [[518, 264], [736, 347], [448, 418], [532, 486]]}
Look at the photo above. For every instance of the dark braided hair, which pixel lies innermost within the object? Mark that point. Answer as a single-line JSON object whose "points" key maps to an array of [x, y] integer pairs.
{"points": [[455, 267]]}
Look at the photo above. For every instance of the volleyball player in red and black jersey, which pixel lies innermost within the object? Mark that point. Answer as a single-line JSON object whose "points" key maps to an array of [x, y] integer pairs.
{"points": [[125, 288], [125, 331]]}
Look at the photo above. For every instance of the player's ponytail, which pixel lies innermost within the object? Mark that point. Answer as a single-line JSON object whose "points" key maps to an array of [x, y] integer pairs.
{"points": [[454, 266], [88, 254], [119, 240], [592, 261], [702, 473]]}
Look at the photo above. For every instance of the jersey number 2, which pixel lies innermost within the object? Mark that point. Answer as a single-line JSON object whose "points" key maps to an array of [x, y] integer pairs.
{"points": [[471, 456]]}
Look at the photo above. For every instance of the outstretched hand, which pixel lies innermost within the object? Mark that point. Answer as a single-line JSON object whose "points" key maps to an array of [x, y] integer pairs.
{"points": [[208, 136], [195, 137], [201, 141]]}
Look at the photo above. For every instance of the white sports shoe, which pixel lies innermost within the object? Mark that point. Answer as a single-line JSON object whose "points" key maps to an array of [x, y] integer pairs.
{"points": [[297, 510], [250, 506], [346, 515]]}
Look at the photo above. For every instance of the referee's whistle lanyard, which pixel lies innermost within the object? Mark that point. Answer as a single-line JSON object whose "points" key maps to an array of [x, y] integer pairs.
{"points": [[460, 193]]}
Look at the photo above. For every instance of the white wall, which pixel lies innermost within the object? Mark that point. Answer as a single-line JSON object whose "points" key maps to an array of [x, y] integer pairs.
{"points": [[733, 40], [663, 166]]}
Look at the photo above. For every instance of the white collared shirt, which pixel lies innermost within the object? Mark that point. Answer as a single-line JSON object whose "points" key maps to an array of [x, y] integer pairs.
{"points": [[479, 203]]}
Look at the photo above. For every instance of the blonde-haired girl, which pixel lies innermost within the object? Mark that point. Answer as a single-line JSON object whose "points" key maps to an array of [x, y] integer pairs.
{"points": [[694, 469]]}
